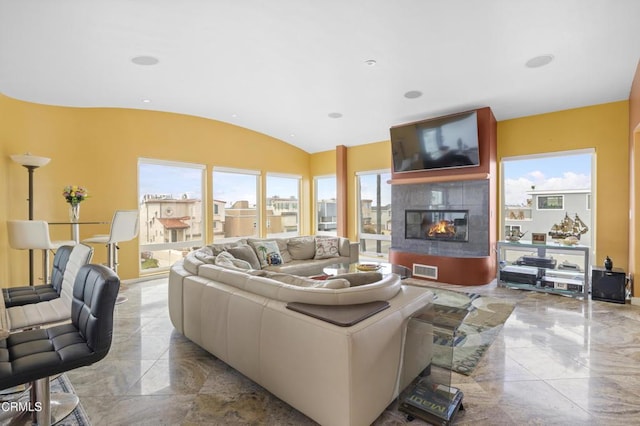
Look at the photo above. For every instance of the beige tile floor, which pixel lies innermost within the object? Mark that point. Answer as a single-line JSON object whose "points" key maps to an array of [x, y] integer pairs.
{"points": [[557, 361]]}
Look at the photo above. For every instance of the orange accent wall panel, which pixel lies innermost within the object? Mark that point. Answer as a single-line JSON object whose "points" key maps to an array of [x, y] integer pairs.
{"points": [[341, 190], [451, 270], [486, 151]]}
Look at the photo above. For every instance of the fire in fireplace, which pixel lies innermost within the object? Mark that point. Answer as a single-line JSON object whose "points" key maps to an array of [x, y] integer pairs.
{"points": [[438, 225]]}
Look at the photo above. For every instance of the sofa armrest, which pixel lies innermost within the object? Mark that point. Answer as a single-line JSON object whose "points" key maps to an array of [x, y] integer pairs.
{"points": [[354, 252]]}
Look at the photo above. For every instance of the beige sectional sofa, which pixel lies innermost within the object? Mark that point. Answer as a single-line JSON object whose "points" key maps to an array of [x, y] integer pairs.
{"points": [[335, 375], [304, 256]]}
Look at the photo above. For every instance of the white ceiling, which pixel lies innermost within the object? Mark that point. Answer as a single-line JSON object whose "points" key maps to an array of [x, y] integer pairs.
{"points": [[280, 67]]}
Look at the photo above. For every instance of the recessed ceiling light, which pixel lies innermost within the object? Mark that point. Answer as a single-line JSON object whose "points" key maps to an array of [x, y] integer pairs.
{"points": [[412, 94], [146, 101], [145, 60], [370, 62], [234, 115], [293, 135], [335, 115], [539, 61]]}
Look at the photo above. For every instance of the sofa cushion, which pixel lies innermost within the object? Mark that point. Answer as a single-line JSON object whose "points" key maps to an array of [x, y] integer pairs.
{"points": [[306, 267], [284, 249], [306, 282], [358, 278], [385, 289], [246, 253], [192, 263], [326, 247], [267, 252], [205, 254], [344, 246], [302, 248], [226, 260], [218, 248]]}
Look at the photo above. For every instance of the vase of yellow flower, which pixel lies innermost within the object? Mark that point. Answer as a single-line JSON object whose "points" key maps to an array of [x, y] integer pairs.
{"points": [[74, 195]]}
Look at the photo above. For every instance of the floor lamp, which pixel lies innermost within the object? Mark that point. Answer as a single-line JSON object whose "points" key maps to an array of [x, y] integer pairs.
{"points": [[31, 162]]}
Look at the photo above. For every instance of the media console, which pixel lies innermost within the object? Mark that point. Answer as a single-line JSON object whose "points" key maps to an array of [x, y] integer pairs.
{"points": [[549, 268]]}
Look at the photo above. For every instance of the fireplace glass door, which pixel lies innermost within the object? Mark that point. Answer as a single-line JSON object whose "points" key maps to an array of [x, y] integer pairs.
{"points": [[437, 225]]}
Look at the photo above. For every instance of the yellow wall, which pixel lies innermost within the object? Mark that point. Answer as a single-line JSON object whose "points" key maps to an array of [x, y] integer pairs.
{"points": [[602, 127], [373, 156], [99, 148]]}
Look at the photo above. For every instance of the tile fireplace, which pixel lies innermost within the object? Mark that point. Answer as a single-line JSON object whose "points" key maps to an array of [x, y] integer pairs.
{"points": [[443, 222], [438, 225]]}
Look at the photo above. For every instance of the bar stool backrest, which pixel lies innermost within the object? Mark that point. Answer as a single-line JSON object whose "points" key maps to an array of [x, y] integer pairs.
{"points": [[29, 234], [60, 261], [124, 226], [80, 255]]}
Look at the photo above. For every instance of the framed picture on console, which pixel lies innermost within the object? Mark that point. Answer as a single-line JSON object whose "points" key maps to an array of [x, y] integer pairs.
{"points": [[538, 238]]}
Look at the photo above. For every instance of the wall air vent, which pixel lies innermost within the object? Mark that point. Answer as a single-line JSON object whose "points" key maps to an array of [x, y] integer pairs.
{"points": [[425, 271]]}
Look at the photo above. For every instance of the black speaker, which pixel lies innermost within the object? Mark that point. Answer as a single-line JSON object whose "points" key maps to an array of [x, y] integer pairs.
{"points": [[608, 286]]}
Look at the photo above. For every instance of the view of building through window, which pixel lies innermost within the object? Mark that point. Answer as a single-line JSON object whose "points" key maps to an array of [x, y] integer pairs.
{"points": [[374, 195], [543, 192], [283, 209], [235, 207], [326, 205], [171, 211]]}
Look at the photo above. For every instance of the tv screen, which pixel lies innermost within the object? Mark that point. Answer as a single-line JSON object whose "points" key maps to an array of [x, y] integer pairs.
{"points": [[438, 143]]}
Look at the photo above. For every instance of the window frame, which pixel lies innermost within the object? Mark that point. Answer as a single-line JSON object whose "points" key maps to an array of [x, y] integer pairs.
{"points": [[316, 218], [298, 179], [144, 247], [379, 238], [258, 180]]}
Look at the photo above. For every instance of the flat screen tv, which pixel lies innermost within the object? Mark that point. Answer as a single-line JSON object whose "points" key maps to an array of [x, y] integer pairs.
{"points": [[438, 143]]}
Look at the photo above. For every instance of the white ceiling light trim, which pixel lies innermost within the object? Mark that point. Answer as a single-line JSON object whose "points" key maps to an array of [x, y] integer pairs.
{"points": [[145, 60], [413, 94], [539, 61]]}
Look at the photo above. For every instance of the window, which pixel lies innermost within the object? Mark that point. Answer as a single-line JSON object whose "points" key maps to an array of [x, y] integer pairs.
{"points": [[539, 190], [236, 210], [283, 209], [171, 211], [550, 202], [374, 213], [508, 229], [326, 205]]}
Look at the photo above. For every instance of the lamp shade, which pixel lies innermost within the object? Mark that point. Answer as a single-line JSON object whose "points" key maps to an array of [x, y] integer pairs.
{"points": [[29, 160]]}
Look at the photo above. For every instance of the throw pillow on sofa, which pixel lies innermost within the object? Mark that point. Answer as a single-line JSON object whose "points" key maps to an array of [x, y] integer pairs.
{"points": [[218, 248], [326, 247], [245, 253], [267, 251], [205, 254], [284, 250], [302, 248], [226, 260], [282, 246]]}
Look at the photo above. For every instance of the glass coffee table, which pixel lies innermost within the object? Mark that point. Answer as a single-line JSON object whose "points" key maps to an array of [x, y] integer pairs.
{"points": [[382, 267]]}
